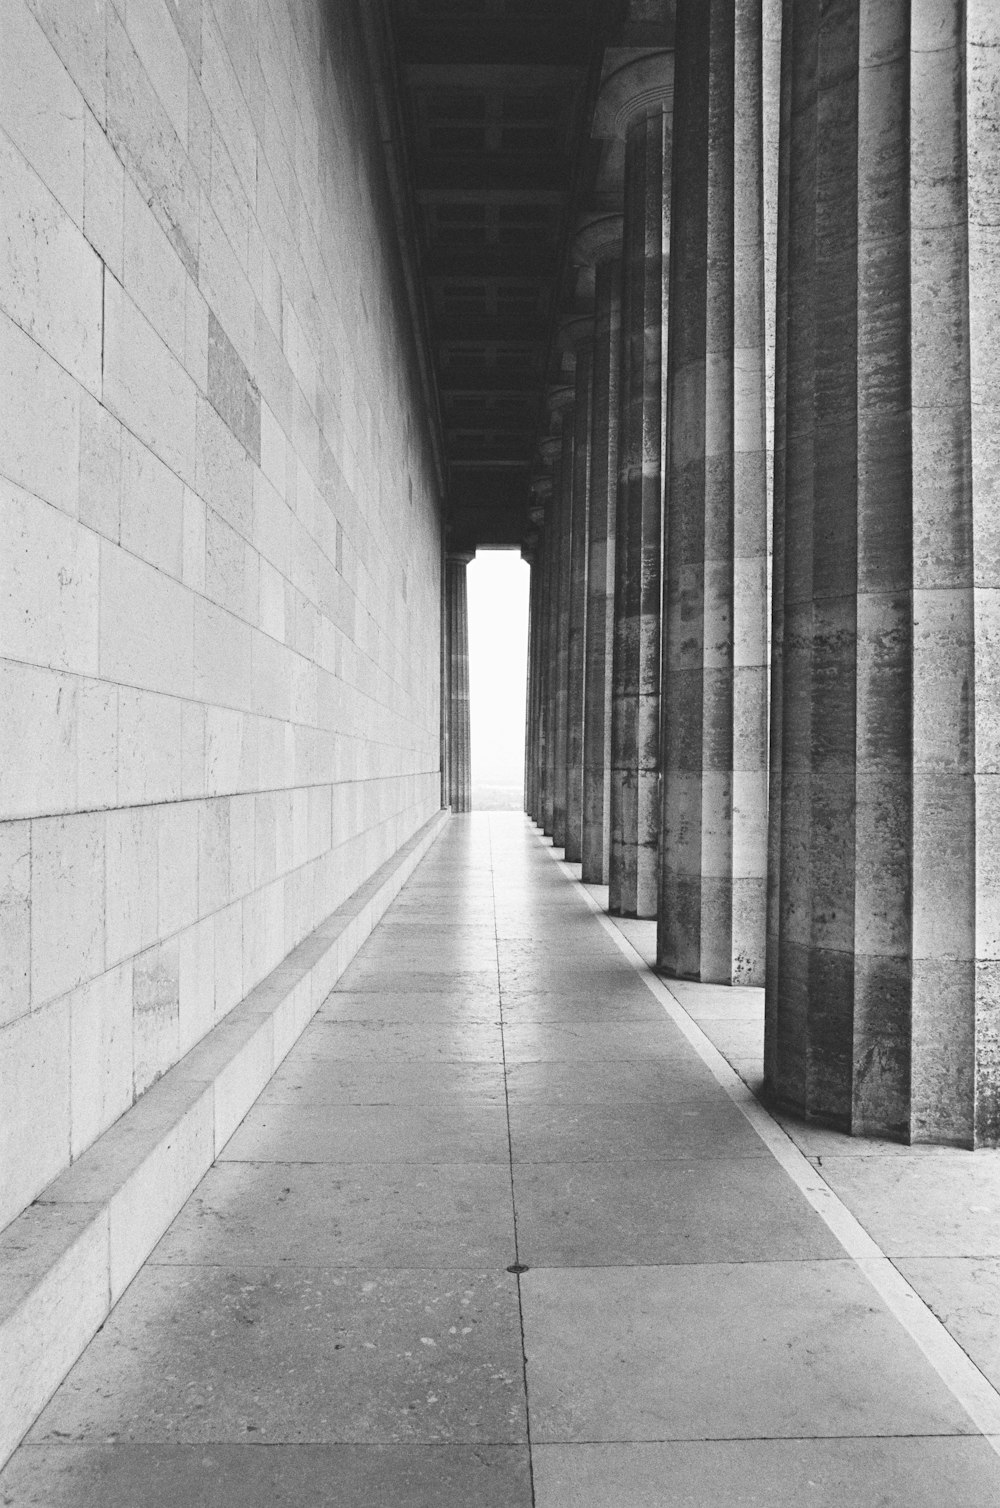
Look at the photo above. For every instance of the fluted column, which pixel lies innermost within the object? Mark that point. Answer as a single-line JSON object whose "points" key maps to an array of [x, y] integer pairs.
{"points": [[883, 995], [598, 244], [560, 408], [551, 451], [713, 848], [459, 750], [636, 102], [531, 554], [577, 335]]}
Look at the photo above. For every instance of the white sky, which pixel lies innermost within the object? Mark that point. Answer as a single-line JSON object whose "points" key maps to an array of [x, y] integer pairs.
{"points": [[498, 650]]}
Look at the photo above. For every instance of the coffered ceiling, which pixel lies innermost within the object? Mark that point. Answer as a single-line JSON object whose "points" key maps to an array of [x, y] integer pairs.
{"points": [[496, 98]]}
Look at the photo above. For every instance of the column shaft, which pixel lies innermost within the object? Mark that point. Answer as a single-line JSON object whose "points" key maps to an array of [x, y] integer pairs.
{"points": [[882, 993], [713, 842], [457, 631], [575, 688], [601, 572], [638, 534], [563, 512]]}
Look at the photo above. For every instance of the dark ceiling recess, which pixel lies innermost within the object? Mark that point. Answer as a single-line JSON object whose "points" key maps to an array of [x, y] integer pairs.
{"points": [[497, 96]]}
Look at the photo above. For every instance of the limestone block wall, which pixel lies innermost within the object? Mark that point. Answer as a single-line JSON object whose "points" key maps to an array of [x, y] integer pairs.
{"points": [[219, 538]]}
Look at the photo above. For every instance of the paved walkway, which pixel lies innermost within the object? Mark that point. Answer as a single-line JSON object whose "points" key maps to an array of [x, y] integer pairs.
{"points": [[496, 1235]]}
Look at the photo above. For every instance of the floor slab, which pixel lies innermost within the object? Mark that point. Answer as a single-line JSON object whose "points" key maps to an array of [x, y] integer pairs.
{"points": [[865, 1473], [268, 1476], [585, 1214], [460, 1131], [723, 1351], [300, 1355], [310, 1078], [558, 1133], [351, 1214]]}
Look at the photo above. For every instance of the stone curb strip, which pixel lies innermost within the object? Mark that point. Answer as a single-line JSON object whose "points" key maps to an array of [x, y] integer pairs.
{"points": [[67, 1260]]}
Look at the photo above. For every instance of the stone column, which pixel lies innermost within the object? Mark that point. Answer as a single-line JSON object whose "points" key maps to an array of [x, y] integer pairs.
{"points": [[534, 553], [577, 335], [560, 408], [457, 659], [713, 843], [599, 245], [883, 994], [551, 451], [636, 102], [530, 554]]}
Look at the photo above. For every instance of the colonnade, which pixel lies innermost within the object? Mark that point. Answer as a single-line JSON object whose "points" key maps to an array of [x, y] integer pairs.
{"points": [[764, 695]]}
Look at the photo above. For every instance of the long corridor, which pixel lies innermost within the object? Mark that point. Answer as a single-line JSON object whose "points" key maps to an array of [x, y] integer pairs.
{"points": [[497, 1235]]}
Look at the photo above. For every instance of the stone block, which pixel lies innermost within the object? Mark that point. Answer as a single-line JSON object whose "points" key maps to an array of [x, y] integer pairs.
{"points": [[100, 469], [50, 278], [152, 509], [48, 585], [41, 108], [77, 34], [222, 657], [131, 865], [38, 777], [194, 541], [146, 625], [145, 384], [103, 198], [101, 1052], [231, 569], [155, 1012], [231, 390], [54, 1296], [228, 958], [224, 471], [196, 336], [224, 281], [147, 1201], [242, 1079], [193, 750], [213, 855], [177, 891], [226, 97], [150, 734], [67, 903], [143, 134], [15, 920], [154, 277], [153, 32], [34, 1105], [241, 845], [197, 982], [40, 437]]}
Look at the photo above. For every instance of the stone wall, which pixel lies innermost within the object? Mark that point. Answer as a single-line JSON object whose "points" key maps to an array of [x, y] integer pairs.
{"points": [[219, 537]]}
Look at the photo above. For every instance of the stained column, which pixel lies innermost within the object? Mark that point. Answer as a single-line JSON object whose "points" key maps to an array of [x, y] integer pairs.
{"points": [[714, 815], [883, 994], [458, 749], [577, 336], [598, 244], [636, 103]]}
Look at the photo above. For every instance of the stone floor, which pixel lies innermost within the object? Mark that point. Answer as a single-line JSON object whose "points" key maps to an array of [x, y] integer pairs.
{"points": [[505, 1229]]}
